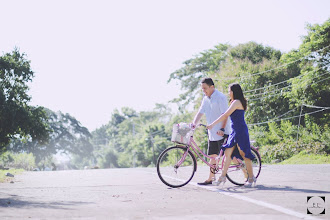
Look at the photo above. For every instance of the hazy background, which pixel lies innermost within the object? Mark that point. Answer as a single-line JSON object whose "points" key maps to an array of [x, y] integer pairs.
{"points": [[91, 57]]}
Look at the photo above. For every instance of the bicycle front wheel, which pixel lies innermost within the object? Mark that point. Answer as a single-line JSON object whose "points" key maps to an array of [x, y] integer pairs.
{"points": [[176, 166], [237, 173]]}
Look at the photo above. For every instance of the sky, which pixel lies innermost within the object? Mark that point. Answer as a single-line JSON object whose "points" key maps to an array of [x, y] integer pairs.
{"points": [[91, 57]]}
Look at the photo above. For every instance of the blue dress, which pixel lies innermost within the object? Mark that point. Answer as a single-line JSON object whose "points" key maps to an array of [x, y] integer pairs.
{"points": [[239, 135]]}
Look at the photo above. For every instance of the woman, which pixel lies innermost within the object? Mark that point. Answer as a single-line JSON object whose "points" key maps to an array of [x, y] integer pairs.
{"points": [[239, 136]]}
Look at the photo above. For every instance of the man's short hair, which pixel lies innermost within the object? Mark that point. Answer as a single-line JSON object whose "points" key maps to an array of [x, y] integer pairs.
{"points": [[208, 81]]}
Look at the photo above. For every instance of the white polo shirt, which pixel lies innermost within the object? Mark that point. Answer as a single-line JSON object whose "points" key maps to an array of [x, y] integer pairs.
{"points": [[213, 107]]}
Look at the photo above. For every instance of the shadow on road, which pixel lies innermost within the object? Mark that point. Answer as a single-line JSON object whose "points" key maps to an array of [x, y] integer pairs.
{"points": [[13, 202], [238, 189]]}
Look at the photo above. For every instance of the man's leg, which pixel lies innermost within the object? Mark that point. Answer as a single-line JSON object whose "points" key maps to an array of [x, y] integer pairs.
{"points": [[213, 151], [212, 161]]}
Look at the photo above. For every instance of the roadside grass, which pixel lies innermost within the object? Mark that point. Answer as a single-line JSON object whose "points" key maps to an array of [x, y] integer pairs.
{"points": [[4, 178], [306, 158], [301, 158]]}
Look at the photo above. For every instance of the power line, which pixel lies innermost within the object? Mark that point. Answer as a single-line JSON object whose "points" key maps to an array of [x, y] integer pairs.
{"points": [[157, 132], [288, 86], [320, 80], [296, 116], [273, 91], [286, 113], [301, 75], [264, 93], [312, 106], [268, 96], [254, 74]]}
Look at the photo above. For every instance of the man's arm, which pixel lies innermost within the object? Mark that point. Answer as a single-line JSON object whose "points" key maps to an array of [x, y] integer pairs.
{"points": [[223, 109], [199, 114], [197, 118]]}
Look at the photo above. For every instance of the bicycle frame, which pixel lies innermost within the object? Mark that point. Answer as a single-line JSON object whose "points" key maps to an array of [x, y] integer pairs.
{"points": [[198, 152], [193, 145]]}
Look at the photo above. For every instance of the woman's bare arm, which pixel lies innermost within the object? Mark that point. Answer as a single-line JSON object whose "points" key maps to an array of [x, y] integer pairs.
{"points": [[236, 104]]}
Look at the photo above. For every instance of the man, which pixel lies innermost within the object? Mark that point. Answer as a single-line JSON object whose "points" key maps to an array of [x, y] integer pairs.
{"points": [[213, 105]]}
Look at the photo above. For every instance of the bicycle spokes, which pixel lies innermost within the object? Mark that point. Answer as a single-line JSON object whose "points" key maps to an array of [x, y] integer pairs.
{"points": [[176, 166], [237, 172]]}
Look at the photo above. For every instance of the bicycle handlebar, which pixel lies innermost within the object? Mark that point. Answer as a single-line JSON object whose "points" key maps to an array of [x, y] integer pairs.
{"points": [[225, 135], [198, 125]]}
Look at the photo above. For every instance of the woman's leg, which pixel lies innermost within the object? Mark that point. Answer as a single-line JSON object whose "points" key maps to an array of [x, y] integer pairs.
{"points": [[248, 163], [228, 153]]}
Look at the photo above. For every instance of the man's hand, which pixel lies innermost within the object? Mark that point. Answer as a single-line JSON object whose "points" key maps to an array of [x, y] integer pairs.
{"points": [[220, 133], [210, 126]]}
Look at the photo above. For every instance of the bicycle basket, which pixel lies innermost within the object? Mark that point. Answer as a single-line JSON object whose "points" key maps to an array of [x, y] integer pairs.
{"points": [[181, 133]]}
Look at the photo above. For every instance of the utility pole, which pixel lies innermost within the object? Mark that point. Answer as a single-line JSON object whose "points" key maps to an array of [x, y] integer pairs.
{"points": [[133, 127], [133, 153], [299, 122], [153, 149]]}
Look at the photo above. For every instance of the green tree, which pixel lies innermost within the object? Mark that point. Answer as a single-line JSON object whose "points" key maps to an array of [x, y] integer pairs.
{"points": [[227, 64], [132, 139], [254, 52], [312, 86], [17, 118], [244, 65], [204, 64], [275, 84], [66, 136]]}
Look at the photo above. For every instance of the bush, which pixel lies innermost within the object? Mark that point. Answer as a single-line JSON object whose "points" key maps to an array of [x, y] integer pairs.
{"points": [[283, 151], [277, 141], [18, 161], [308, 158], [109, 159]]}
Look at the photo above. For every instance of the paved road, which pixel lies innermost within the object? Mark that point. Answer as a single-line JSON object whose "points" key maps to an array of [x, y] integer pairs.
{"points": [[281, 193]]}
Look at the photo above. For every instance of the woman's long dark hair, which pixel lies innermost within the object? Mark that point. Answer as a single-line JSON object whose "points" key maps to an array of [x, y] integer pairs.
{"points": [[238, 94]]}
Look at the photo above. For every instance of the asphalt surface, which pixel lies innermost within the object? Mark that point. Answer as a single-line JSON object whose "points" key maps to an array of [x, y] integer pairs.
{"points": [[281, 193]]}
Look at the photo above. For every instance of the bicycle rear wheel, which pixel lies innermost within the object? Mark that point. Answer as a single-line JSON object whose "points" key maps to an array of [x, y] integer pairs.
{"points": [[237, 174], [169, 170]]}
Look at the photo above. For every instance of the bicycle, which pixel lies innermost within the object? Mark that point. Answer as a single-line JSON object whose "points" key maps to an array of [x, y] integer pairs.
{"points": [[177, 165]]}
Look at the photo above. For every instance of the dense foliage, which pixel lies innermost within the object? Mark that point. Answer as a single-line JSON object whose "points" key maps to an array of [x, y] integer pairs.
{"points": [[66, 136], [280, 88], [16, 116], [29, 129], [288, 107], [288, 94]]}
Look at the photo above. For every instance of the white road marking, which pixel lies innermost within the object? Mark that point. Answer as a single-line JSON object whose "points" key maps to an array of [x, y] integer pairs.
{"points": [[257, 202], [254, 201]]}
